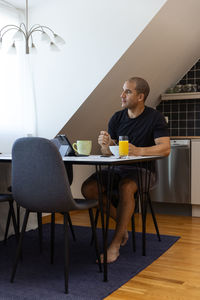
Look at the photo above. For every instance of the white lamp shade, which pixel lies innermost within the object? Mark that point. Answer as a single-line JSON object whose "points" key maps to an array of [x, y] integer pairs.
{"points": [[33, 49], [12, 50], [58, 40], [53, 47], [45, 37], [18, 36]]}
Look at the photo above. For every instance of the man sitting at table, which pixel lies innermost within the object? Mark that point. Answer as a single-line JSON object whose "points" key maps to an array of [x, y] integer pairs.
{"points": [[148, 135]]}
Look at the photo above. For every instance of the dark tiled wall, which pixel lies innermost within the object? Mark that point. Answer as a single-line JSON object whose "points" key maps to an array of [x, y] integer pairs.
{"points": [[192, 76], [183, 116]]}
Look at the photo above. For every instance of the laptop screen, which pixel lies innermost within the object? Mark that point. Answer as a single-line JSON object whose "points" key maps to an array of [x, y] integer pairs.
{"points": [[64, 145]]}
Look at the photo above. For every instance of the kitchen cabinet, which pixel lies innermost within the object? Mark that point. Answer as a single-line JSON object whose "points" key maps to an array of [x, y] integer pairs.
{"points": [[181, 96], [195, 177]]}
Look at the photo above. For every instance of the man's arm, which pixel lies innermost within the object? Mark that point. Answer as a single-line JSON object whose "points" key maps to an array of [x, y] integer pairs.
{"points": [[161, 147], [105, 141]]}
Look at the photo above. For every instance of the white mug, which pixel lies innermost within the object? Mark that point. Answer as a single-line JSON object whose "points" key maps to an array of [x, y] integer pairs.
{"points": [[83, 147]]}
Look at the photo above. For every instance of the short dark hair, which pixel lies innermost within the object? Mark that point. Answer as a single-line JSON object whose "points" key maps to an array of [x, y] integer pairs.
{"points": [[142, 86]]}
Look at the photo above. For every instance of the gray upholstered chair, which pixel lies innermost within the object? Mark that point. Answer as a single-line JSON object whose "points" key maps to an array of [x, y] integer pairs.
{"points": [[11, 214], [40, 184]]}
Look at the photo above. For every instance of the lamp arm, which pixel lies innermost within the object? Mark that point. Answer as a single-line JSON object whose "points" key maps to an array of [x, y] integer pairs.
{"points": [[29, 35], [46, 27], [13, 27], [32, 31], [16, 28], [36, 26], [25, 28]]}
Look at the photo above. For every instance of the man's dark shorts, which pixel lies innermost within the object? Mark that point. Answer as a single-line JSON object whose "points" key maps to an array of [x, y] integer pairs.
{"points": [[120, 174]]}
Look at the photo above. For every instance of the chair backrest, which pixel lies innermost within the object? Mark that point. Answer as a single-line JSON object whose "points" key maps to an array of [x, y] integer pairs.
{"points": [[39, 178]]}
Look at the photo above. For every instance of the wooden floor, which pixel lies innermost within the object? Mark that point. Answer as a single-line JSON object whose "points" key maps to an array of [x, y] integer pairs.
{"points": [[176, 274]]}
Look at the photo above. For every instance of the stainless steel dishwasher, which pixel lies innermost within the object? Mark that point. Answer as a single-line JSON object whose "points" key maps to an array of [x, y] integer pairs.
{"points": [[173, 184]]}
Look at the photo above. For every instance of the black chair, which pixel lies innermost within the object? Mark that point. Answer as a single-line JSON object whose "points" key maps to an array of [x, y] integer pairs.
{"points": [[11, 214], [138, 203], [143, 215], [40, 184], [144, 199]]}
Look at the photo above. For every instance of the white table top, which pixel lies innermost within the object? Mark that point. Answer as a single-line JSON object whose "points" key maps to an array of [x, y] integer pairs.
{"points": [[96, 159], [4, 156], [107, 159]]}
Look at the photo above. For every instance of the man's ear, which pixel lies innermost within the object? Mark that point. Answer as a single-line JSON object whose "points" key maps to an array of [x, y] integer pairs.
{"points": [[141, 97]]}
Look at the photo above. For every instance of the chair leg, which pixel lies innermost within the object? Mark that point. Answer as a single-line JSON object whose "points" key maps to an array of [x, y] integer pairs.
{"points": [[133, 222], [136, 204], [11, 213], [96, 217], [144, 217], [95, 237], [14, 221], [143, 236], [154, 218], [133, 232], [19, 247], [18, 217], [95, 224], [39, 219], [52, 236], [7, 226], [71, 226], [66, 253]]}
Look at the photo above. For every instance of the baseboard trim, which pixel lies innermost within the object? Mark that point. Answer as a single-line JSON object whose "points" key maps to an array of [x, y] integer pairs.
{"points": [[196, 210]]}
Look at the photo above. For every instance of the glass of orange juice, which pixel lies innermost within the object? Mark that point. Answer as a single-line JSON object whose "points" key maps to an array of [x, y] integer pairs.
{"points": [[123, 145]]}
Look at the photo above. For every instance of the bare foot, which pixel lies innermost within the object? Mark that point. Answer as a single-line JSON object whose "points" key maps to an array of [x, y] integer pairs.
{"points": [[112, 255], [124, 239]]}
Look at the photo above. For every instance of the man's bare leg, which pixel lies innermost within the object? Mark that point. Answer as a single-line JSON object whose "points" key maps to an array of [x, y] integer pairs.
{"points": [[124, 212], [113, 215], [92, 193]]}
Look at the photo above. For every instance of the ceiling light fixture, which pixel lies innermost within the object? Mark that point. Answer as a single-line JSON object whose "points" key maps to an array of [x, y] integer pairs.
{"points": [[23, 32]]}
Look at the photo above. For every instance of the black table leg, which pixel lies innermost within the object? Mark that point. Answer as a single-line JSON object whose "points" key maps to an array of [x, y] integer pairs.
{"points": [[99, 184], [109, 193], [105, 225], [143, 190]]}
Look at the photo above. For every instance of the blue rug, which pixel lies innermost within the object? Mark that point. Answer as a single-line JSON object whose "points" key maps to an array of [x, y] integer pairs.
{"points": [[36, 278]]}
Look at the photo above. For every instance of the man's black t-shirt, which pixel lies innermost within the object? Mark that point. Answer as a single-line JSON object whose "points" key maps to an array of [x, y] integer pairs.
{"points": [[142, 130]]}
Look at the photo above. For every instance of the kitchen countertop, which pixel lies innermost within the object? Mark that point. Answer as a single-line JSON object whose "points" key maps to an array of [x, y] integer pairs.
{"points": [[184, 137]]}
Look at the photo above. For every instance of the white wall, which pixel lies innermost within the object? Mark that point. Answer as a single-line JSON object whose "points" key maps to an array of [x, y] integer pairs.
{"points": [[97, 33]]}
